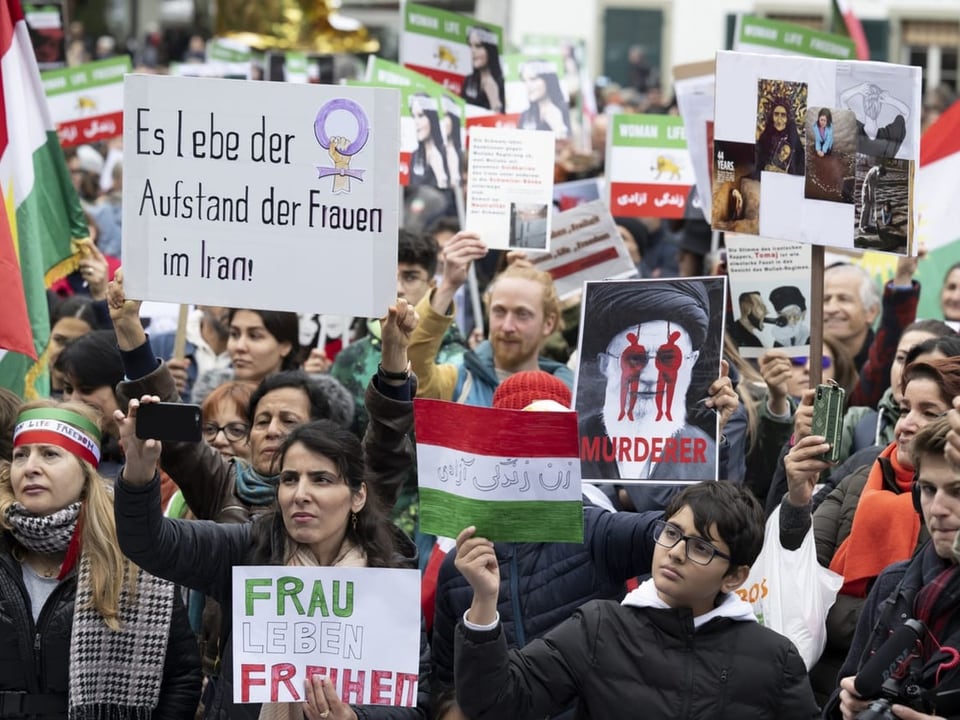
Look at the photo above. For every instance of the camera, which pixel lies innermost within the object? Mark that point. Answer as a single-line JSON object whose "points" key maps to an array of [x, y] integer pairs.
{"points": [[887, 677]]}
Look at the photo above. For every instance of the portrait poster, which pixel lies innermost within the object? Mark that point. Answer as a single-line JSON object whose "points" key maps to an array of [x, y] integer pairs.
{"points": [[649, 170], [513, 474], [648, 352], [457, 51], [575, 78], [534, 92], [835, 147], [770, 293], [510, 193], [86, 101], [47, 33], [227, 181], [432, 125], [292, 623], [584, 245]]}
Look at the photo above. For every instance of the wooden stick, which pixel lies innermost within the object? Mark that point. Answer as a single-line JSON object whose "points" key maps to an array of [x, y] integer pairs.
{"points": [[816, 315], [180, 341]]}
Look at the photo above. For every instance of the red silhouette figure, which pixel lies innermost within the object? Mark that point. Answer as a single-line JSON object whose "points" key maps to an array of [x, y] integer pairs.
{"points": [[668, 362], [632, 362]]}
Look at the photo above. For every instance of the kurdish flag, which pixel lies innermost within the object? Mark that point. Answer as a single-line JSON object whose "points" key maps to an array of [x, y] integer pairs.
{"points": [[39, 210], [513, 474]]}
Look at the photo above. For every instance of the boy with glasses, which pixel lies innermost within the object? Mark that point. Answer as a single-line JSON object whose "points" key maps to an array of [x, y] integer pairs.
{"points": [[681, 644]]}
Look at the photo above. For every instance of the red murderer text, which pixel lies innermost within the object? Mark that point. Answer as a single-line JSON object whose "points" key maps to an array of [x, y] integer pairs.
{"points": [[639, 449], [356, 687]]}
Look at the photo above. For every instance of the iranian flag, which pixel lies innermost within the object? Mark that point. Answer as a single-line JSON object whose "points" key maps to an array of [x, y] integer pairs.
{"points": [[513, 474], [846, 22], [39, 210]]}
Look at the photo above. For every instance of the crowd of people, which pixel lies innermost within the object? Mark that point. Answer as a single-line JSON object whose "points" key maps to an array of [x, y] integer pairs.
{"points": [[117, 552]]}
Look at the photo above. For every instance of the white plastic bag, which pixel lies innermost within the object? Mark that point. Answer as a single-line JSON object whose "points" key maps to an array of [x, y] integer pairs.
{"points": [[791, 593]]}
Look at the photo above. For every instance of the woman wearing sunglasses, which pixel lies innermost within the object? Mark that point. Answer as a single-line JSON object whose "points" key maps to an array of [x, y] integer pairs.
{"points": [[868, 521]]}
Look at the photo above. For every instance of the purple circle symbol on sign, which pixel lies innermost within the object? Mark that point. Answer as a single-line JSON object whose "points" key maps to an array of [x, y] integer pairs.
{"points": [[363, 125]]}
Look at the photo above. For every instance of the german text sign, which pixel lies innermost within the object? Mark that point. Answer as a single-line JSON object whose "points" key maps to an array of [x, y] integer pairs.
{"points": [[277, 196], [359, 627]]}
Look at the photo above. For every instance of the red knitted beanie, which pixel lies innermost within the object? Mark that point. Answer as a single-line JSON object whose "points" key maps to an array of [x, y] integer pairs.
{"points": [[523, 388]]}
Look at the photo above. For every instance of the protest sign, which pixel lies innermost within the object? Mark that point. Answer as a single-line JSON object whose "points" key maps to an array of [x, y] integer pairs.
{"points": [[275, 196], [648, 352], [576, 192], [584, 245], [764, 36], [457, 51], [694, 86], [575, 78], [511, 473], [431, 125], [292, 623], [86, 101], [649, 171], [510, 192], [534, 92], [770, 287], [816, 151], [45, 25]]}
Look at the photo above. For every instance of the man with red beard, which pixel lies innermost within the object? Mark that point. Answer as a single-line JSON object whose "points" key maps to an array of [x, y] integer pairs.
{"points": [[524, 311]]}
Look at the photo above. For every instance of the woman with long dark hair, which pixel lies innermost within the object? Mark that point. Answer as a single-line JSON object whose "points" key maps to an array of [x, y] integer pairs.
{"points": [[428, 163], [548, 109], [484, 86]]}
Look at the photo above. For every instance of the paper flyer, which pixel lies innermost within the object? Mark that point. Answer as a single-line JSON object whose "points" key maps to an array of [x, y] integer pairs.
{"points": [[770, 292], [649, 171], [510, 193], [816, 151]]}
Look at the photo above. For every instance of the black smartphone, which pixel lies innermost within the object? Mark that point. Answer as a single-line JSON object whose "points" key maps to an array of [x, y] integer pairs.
{"points": [[169, 422], [828, 418]]}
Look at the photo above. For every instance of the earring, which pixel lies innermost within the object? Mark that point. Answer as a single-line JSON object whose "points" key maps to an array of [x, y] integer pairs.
{"points": [[353, 520]]}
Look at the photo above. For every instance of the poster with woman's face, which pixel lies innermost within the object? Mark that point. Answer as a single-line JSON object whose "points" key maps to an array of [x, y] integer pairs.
{"points": [[835, 145], [534, 90]]}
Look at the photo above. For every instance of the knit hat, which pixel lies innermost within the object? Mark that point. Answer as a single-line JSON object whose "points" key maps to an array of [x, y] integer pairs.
{"points": [[523, 388], [786, 295]]}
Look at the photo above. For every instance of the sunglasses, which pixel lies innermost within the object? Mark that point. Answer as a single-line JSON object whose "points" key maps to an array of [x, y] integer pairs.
{"points": [[825, 362]]}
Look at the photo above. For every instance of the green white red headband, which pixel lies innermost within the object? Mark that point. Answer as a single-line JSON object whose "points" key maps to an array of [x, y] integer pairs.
{"points": [[63, 428]]}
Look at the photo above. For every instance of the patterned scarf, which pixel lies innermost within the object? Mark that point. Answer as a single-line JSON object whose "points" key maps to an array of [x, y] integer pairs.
{"points": [[43, 534], [936, 604], [252, 487], [301, 556]]}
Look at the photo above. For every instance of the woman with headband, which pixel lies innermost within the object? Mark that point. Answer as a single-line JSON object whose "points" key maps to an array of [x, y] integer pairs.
{"points": [[484, 85], [84, 633]]}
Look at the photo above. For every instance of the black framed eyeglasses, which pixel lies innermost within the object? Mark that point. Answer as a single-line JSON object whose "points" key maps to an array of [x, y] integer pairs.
{"points": [[233, 431], [698, 550]]}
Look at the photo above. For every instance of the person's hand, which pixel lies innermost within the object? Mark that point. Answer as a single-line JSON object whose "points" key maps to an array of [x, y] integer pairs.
{"points": [[905, 713], [952, 449], [803, 467], [317, 362], [461, 250], [337, 146], [93, 269], [518, 258], [323, 703], [721, 395], [477, 562], [820, 153], [803, 417], [125, 315], [396, 329], [851, 705], [140, 456], [906, 267], [178, 369], [776, 369]]}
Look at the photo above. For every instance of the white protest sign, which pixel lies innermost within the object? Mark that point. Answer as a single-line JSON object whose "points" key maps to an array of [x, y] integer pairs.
{"points": [[510, 193], [359, 627], [585, 245], [273, 196]]}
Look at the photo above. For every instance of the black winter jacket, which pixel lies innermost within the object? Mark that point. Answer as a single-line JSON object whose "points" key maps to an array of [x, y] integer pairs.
{"points": [[617, 661], [541, 584], [34, 657], [200, 554]]}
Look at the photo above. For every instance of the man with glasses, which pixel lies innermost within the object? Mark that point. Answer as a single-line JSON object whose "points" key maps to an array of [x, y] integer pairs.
{"points": [[681, 644]]}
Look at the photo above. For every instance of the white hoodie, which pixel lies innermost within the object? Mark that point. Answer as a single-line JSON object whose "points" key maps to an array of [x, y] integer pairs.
{"points": [[732, 606]]}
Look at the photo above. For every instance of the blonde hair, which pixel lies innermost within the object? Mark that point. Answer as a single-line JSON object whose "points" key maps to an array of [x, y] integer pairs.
{"points": [[98, 540], [551, 301]]}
